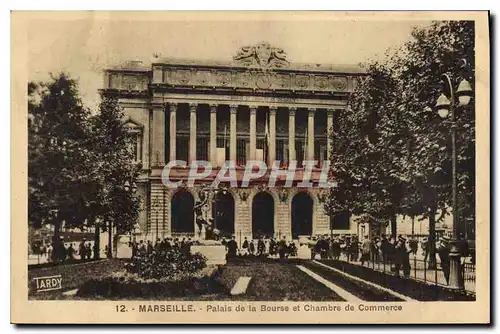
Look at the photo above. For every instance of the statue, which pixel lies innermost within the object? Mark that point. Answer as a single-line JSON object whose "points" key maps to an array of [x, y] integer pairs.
{"points": [[211, 233]]}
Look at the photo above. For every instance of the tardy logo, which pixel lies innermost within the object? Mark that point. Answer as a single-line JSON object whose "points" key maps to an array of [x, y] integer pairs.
{"points": [[48, 283]]}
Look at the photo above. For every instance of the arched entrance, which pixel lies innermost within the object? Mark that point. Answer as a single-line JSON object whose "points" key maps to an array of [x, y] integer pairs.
{"points": [[182, 212], [223, 213], [263, 215], [302, 214]]}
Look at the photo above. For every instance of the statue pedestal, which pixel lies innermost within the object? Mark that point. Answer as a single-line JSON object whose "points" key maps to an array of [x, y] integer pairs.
{"points": [[304, 252], [213, 250], [123, 249]]}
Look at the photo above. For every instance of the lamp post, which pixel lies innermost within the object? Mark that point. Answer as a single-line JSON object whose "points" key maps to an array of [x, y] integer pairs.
{"points": [[444, 108]]}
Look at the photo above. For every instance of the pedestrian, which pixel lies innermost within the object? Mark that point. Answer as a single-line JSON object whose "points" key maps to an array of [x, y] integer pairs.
{"points": [[89, 250], [292, 249], [149, 247], [141, 248], [245, 247], [413, 245], [443, 251], [261, 247], [81, 249], [231, 246], [251, 247], [282, 248], [71, 252], [50, 251], [402, 252], [135, 249], [273, 247], [366, 250]]}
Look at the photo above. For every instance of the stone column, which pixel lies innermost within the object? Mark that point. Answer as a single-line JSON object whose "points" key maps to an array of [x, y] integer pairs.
{"points": [[192, 132], [213, 134], [329, 125], [232, 133], [253, 131], [310, 134], [158, 149], [272, 135], [173, 130], [291, 134]]}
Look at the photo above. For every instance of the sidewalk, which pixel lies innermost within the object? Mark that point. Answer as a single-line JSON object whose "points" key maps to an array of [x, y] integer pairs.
{"points": [[419, 272]]}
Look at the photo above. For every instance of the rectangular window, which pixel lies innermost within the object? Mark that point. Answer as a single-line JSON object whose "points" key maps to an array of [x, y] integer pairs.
{"points": [[182, 147], [241, 152], [300, 151], [202, 148], [280, 154]]}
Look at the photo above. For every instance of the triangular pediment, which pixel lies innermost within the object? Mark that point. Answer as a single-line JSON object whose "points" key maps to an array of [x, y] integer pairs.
{"points": [[132, 125]]}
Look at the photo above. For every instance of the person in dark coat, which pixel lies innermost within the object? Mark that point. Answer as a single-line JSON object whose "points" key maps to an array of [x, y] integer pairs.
{"points": [[82, 250], [149, 247], [71, 252], [245, 247], [292, 249], [261, 247], [251, 248], [282, 248], [232, 247], [443, 250], [402, 255], [89, 250], [385, 247], [273, 247]]}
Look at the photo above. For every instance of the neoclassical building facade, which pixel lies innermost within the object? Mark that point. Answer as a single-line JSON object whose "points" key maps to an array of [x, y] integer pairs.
{"points": [[258, 106]]}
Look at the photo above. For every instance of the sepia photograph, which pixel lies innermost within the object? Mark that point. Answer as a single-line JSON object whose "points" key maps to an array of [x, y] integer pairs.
{"points": [[218, 166]]}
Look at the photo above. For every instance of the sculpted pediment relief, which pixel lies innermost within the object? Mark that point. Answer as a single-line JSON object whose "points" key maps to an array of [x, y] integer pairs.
{"points": [[262, 55]]}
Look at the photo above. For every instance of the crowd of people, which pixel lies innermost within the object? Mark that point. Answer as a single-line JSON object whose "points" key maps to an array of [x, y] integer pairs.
{"points": [[148, 247], [59, 251], [393, 252]]}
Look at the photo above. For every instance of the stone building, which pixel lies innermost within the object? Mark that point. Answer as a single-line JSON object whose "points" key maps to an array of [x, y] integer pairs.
{"points": [[258, 106]]}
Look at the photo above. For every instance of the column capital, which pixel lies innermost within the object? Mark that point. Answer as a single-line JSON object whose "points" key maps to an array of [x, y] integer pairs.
{"points": [[330, 111], [253, 109], [213, 107], [272, 110], [292, 111], [233, 108], [173, 106], [193, 107], [311, 110]]}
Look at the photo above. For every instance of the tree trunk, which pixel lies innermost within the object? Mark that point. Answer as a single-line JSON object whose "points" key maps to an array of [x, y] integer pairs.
{"points": [[431, 261], [97, 243], [56, 250], [394, 223], [110, 240]]}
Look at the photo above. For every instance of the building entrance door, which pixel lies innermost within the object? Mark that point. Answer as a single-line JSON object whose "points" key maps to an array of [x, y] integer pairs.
{"points": [[263, 215], [302, 213], [223, 213]]}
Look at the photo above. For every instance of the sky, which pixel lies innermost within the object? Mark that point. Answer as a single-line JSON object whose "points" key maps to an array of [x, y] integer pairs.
{"points": [[85, 43]]}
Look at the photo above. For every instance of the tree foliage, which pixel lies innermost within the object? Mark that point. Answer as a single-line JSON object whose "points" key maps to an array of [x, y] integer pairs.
{"points": [[392, 152], [77, 163]]}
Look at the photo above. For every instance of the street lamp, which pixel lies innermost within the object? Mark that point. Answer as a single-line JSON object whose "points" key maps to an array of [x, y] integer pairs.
{"points": [[445, 107]]}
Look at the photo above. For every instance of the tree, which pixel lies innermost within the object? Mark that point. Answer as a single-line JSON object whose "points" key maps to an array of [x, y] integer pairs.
{"points": [[57, 154], [114, 167], [367, 154], [391, 152]]}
